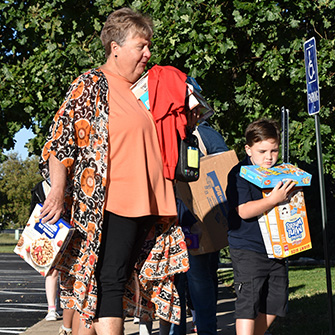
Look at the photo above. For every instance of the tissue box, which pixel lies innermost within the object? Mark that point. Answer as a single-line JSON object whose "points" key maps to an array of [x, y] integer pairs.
{"points": [[269, 178], [41, 245], [285, 228], [140, 89], [194, 83], [195, 99]]}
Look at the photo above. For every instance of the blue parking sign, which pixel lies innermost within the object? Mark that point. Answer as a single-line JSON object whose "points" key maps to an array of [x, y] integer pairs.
{"points": [[312, 78]]}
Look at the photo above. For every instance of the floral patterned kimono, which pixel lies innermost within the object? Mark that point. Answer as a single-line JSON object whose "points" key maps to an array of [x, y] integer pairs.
{"points": [[79, 140]]}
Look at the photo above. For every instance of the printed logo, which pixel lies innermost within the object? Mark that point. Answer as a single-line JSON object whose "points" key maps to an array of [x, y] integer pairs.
{"points": [[277, 250], [213, 182], [294, 229]]}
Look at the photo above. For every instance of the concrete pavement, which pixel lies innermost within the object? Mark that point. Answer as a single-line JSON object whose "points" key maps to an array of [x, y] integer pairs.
{"points": [[225, 317]]}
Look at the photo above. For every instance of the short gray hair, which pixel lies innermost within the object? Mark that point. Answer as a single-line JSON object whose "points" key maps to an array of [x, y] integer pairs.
{"points": [[120, 23]]}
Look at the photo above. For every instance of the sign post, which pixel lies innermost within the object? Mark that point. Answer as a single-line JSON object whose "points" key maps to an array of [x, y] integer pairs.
{"points": [[312, 78], [313, 103], [285, 134]]}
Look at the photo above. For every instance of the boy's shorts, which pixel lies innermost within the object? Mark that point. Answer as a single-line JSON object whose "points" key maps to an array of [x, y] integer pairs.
{"points": [[261, 284]]}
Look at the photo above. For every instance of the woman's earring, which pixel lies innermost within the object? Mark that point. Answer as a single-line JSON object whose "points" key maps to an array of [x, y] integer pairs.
{"points": [[115, 56]]}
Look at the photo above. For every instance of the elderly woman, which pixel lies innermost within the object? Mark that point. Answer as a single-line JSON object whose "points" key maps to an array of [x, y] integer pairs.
{"points": [[104, 160]]}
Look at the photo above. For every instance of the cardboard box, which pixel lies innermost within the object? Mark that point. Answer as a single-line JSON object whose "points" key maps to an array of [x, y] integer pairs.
{"points": [[285, 228], [41, 245], [206, 199], [269, 178]]}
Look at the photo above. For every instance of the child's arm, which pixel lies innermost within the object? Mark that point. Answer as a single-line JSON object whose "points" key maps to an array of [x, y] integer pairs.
{"points": [[254, 208]]}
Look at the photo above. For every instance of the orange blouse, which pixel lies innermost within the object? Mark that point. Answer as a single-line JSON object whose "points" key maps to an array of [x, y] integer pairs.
{"points": [[135, 183]]}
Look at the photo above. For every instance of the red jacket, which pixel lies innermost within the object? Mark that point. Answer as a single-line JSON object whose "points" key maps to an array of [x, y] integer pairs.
{"points": [[167, 93]]}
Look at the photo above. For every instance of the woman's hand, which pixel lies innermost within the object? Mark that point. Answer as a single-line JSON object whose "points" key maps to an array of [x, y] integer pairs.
{"points": [[54, 203], [53, 207], [193, 117]]}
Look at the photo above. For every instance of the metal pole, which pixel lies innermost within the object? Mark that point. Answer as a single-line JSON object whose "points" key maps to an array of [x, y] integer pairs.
{"points": [[285, 134], [285, 158], [324, 222]]}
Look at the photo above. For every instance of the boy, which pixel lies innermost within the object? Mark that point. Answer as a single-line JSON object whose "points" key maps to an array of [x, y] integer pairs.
{"points": [[260, 282]]}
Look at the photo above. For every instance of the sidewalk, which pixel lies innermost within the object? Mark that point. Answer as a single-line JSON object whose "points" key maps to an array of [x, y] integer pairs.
{"points": [[225, 317]]}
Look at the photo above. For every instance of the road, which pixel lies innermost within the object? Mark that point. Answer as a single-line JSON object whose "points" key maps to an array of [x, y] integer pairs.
{"points": [[22, 295], [23, 301]]}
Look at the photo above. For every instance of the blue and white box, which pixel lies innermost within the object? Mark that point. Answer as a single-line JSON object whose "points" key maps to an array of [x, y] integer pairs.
{"points": [[270, 177], [41, 245]]}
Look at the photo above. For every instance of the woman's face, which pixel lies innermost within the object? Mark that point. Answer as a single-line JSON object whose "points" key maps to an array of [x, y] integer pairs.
{"points": [[132, 56]]}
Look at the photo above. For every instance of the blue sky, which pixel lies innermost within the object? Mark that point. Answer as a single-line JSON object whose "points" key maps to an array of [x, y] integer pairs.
{"points": [[22, 138]]}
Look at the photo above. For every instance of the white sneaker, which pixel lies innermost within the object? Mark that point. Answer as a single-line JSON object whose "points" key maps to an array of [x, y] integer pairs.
{"points": [[64, 332], [52, 315]]}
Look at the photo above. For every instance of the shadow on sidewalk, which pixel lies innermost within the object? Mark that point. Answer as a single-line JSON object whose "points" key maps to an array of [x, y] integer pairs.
{"points": [[225, 316], [225, 319]]}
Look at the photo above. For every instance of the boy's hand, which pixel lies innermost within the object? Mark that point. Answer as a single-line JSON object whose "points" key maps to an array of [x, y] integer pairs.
{"points": [[254, 208], [281, 191]]}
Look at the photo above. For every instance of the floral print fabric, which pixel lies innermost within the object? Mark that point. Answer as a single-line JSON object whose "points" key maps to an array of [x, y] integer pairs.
{"points": [[152, 291], [79, 140]]}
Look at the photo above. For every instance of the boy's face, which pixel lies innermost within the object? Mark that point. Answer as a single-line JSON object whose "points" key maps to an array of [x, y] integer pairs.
{"points": [[263, 153]]}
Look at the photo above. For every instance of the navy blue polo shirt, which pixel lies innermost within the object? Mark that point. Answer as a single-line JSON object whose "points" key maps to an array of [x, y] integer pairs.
{"points": [[243, 234]]}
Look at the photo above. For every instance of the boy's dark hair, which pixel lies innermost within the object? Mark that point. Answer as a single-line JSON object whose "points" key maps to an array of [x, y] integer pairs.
{"points": [[262, 130]]}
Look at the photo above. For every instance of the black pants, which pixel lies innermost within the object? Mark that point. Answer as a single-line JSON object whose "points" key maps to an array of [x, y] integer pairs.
{"points": [[122, 240]]}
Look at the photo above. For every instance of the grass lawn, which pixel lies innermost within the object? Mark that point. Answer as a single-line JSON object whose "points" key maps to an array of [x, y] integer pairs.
{"points": [[308, 301], [7, 243]]}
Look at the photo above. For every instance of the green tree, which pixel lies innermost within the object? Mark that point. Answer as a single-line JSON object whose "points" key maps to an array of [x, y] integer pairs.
{"points": [[17, 178], [44, 46], [247, 55]]}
